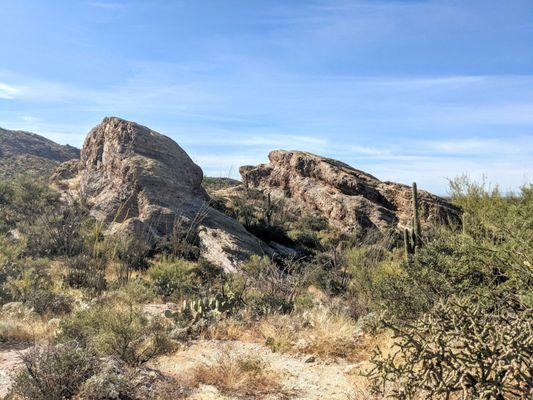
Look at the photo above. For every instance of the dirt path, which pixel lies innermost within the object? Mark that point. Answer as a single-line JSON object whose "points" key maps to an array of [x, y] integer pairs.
{"points": [[9, 362], [305, 378]]}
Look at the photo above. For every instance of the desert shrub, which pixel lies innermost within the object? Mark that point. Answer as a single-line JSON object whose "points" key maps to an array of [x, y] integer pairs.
{"points": [[54, 372], [183, 240], [311, 222], [121, 331], [29, 282], [305, 238], [23, 199], [273, 287], [86, 272], [368, 266], [179, 278], [25, 277], [46, 302], [10, 266], [132, 251], [58, 231], [136, 291], [173, 277], [477, 348]]}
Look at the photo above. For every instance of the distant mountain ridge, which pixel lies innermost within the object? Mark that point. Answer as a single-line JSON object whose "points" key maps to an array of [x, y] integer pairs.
{"points": [[26, 152]]}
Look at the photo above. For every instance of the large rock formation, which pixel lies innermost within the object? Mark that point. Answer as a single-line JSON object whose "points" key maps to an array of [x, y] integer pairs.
{"points": [[142, 182], [350, 199], [22, 151]]}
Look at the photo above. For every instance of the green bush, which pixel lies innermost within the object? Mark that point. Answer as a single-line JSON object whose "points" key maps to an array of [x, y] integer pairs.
{"points": [[45, 302], [178, 278], [59, 231], [24, 277], [54, 372], [24, 199], [121, 330], [174, 278], [86, 272]]}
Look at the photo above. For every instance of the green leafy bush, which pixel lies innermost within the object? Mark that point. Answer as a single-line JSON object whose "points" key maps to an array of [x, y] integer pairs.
{"points": [[24, 199], [173, 277], [178, 278], [121, 330]]}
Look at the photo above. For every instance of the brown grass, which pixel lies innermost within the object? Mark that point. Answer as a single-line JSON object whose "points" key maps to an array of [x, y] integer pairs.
{"points": [[319, 332], [238, 375], [16, 330]]}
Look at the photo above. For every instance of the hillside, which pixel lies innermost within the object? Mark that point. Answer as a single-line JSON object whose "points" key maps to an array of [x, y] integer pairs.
{"points": [[22, 152]]}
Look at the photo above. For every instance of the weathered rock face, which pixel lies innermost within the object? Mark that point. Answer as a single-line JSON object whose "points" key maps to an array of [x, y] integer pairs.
{"points": [[142, 182], [350, 199]]}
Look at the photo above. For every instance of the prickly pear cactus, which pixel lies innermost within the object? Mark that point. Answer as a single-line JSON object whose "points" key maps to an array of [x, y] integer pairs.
{"points": [[208, 307]]}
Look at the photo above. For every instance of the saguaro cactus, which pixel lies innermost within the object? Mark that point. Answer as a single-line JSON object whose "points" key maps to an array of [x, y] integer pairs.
{"points": [[412, 237], [416, 228], [407, 244], [269, 210]]}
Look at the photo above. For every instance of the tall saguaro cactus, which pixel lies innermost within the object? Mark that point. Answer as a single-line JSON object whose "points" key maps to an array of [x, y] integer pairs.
{"points": [[412, 237], [269, 210], [417, 230]]}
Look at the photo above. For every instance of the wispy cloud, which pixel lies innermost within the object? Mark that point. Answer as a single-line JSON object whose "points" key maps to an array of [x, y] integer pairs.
{"points": [[7, 91], [105, 5]]}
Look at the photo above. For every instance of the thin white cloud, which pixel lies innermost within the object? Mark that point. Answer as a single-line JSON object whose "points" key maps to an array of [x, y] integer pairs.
{"points": [[105, 5], [7, 91]]}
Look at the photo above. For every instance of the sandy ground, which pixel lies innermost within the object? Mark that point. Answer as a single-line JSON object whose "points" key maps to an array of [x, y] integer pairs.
{"points": [[304, 378], [10, 362]]}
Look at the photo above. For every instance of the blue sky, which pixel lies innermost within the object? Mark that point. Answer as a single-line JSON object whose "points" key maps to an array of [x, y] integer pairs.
{"points": [[406, 90]]}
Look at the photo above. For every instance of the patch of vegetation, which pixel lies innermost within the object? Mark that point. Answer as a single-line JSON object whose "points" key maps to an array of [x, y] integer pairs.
{"points": [[54, 372], [239, 375], [122, 331]]}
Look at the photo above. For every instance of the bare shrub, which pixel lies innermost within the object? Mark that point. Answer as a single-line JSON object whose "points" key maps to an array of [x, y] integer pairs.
{"points": [[54, 372]]}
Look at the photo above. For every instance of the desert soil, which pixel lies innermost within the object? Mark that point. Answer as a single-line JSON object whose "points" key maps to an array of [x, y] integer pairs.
{"points": [[10, 361], [303, 376]]}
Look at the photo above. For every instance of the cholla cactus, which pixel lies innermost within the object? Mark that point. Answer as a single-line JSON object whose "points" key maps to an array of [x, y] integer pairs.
{"points": [[461, 349]]}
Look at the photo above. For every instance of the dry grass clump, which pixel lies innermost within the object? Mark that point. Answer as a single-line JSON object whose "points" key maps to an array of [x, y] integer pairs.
{"points": [[320, 332], [230, 329], [16, 330], [238, 375]]}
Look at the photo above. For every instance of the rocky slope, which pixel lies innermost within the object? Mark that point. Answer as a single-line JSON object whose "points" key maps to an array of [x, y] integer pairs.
{"points": [[350, 199], [28, 152], [142, 182]]}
